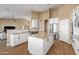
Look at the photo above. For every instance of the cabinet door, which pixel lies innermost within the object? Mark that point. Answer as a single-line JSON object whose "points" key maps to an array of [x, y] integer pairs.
{"points": [[23, 37], [76, 49], [64, 37], [16, 39], [0, 35], [64, 28]]}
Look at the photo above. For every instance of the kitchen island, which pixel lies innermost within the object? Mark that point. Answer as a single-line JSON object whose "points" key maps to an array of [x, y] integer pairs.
{"points": [[16, 37], [39, 44]]}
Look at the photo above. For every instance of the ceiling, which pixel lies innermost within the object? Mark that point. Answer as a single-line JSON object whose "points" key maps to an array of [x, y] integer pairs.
{"points": [[22, 10]]}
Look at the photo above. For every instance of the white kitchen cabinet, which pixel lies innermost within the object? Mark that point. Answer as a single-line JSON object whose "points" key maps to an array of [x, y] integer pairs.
{"points": [[64, 31], [14, 40], [18, 38], [75, 44], [75, 39], [39, 46], [24, 37], [3, 35]]}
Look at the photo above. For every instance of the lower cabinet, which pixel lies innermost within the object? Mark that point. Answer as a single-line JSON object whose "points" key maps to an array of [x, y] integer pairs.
{"points": [[2, 36], [23, 37], [75, 45], [16, 39], [76, 49]]}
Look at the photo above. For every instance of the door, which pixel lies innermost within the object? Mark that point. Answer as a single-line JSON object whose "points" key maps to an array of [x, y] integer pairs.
{"points": [[64, 28]]}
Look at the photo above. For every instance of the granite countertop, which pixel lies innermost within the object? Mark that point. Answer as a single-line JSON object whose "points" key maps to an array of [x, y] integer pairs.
{"points": [[42, 36], [20, 33], [39, 36]]}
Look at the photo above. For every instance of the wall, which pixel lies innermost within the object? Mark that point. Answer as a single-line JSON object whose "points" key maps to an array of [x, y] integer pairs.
{"points": [[42, 17], [8, 22], [63, 11], [35, 15], [54, 13]]}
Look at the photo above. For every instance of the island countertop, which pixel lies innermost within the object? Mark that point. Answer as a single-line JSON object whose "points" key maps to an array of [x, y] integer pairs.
{"points": [[42, 36], [39, 44]]}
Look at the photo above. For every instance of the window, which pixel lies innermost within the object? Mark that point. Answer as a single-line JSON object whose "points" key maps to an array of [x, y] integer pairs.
{"points": [[34, 23]]}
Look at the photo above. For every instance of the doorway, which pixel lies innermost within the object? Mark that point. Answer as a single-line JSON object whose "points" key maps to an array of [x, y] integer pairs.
{"points": [[46, 26]]}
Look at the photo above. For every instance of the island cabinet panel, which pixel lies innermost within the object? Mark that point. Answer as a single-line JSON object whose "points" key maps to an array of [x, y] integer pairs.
{"points": [[39, 45]]}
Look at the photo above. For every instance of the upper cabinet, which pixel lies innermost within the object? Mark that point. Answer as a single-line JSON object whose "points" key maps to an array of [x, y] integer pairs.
{"points": [[75, 19]]}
